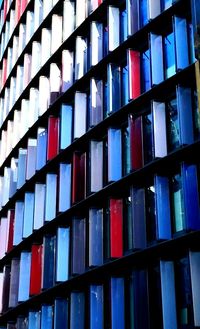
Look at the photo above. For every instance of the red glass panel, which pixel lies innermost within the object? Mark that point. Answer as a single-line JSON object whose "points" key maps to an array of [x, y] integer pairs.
{"points": [[36, 269], [53, 137], [136, 155], [116, 228]]}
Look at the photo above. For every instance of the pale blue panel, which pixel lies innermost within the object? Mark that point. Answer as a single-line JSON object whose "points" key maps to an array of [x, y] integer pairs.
{"points": [[114, 154], [62, 254], [64, 187], [168, 295], [65, 126], [181, 43], [46, 317], [28, 214], [34, 320], [41, 148], [18, 222], [157, 67], [24, 276], [50, 200], [21, 168]]}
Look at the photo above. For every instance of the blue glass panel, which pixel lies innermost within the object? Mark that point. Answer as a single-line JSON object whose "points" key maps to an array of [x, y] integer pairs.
{"points": [[61, 314], [24, 276], [114, 88], [95, 237], [181, 43], [191, 196], [194, 258], [139, 308], [146, 74], [150, 213], [78, 245], [114, 154], [46, 317], [123, 25], [168, 294], [77, 310], [96, 307], [139, 219], [117, 303], [157, 73], [48, 262], [41, 148], [163, 215], [34, 320], [143, 12], [169, 53], [184, 103]]}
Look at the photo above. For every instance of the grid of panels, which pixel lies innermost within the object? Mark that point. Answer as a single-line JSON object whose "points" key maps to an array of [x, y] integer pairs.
{"points": [[99, 145]]}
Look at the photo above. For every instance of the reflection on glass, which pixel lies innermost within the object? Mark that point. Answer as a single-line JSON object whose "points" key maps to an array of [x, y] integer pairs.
{"points": [[146, 76], [196, 116], [143, 12], [177, 203], [173, 125], [183, 293], [150, 214], [147, 138], [128, 224], [125, 87], [126, 150], [169, 55]]}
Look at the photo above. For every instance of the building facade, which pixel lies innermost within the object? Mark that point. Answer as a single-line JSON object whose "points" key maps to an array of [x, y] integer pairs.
{"points": [[99, 164]]}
